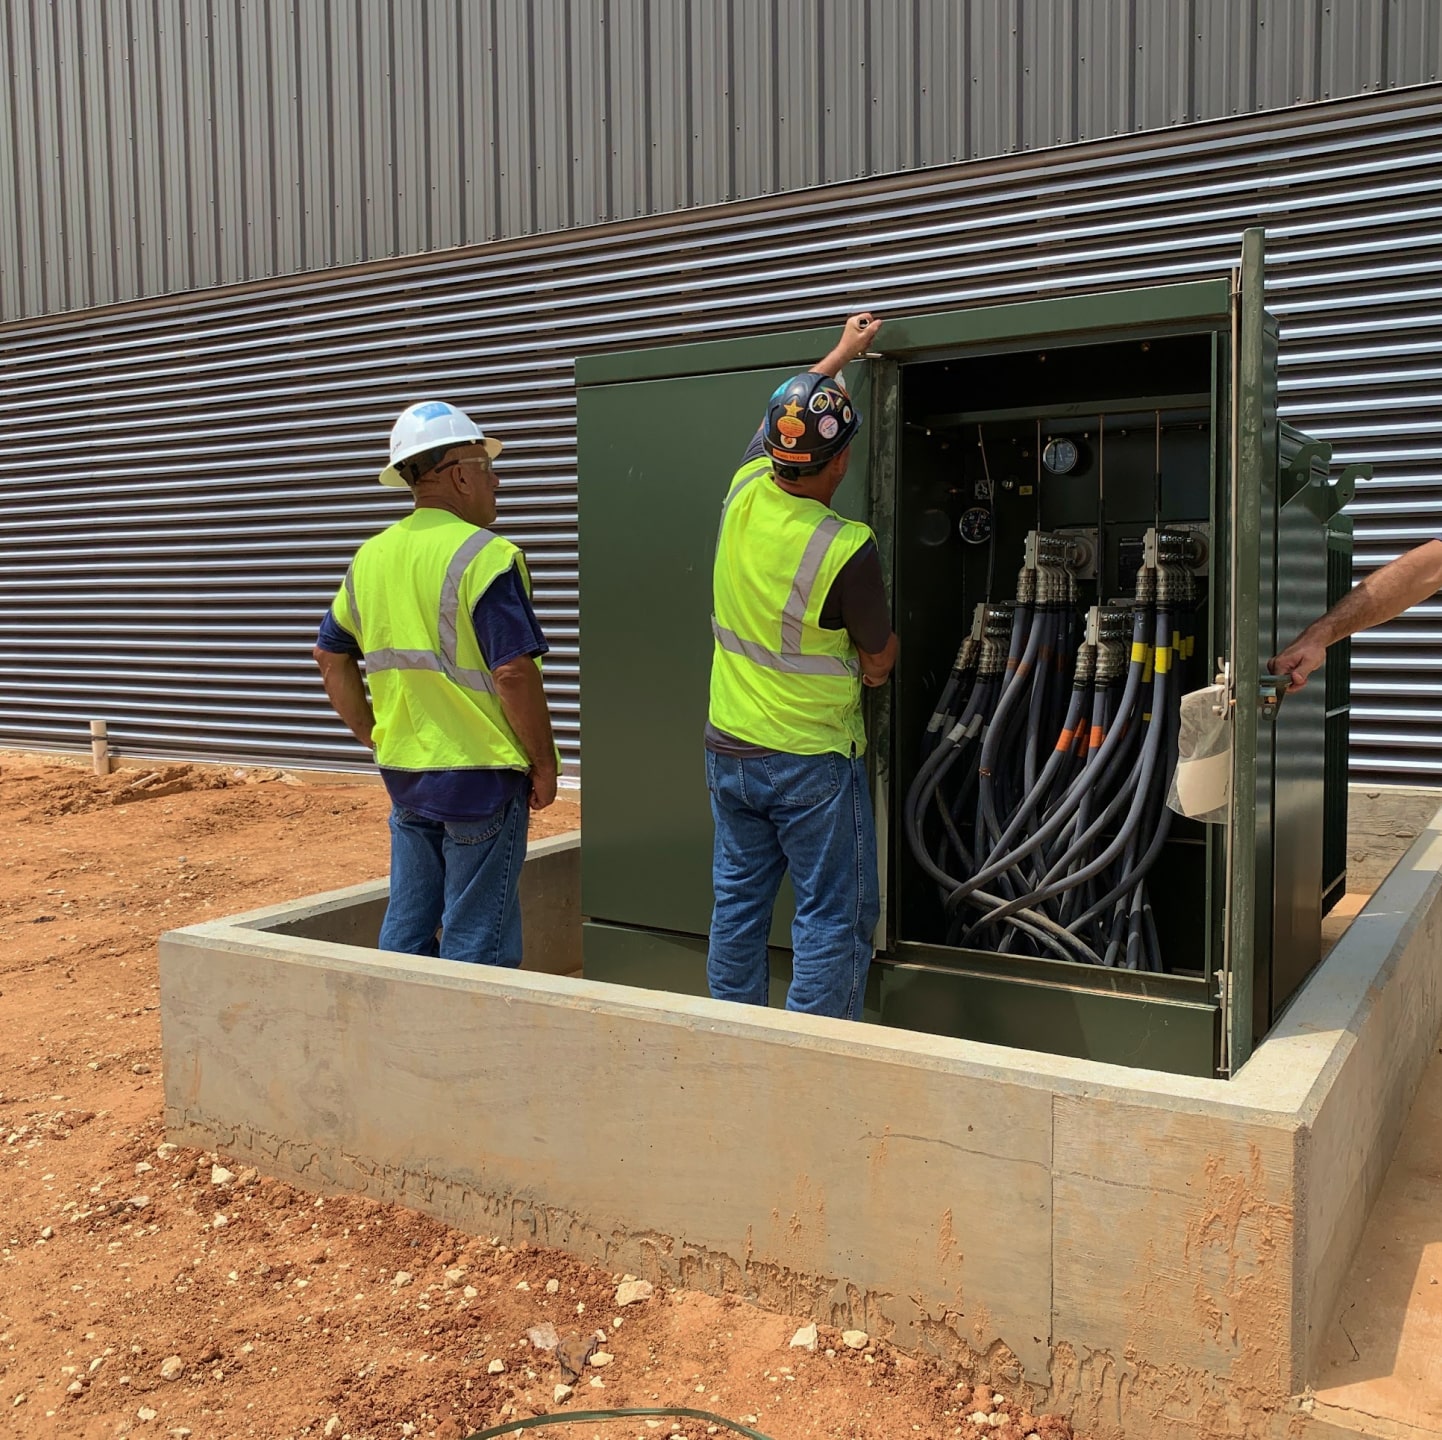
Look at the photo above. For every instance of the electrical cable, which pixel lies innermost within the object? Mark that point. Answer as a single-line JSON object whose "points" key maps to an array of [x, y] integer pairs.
{"points": [[1050, 788], [1056, 880], [591, 1417]]}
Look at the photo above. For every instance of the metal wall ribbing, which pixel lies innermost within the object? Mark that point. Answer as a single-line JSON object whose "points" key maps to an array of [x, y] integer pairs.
{"points": [[154, 146], [188, 477]]}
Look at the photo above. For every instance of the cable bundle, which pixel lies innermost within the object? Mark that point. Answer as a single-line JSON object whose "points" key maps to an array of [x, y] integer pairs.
{"points": [[1044, 848]]}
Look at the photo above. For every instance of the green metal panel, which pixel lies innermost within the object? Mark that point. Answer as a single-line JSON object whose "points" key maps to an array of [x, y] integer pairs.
{"points": [[648, 530], [1152, 1033], [1338, 689], [677, 964], [1252, 527], [1197, 304], [1298, 733], [656, 458]]}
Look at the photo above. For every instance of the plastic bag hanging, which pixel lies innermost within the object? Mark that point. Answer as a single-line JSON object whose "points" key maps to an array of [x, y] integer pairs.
{"points": [[1202, 782]]}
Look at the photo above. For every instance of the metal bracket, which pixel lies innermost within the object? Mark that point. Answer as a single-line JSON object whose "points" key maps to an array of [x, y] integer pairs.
{"points": [[1270, 690], [1342, 490], [1224, 1003], [1081, 557], [1182, 544], [1224, 678]]}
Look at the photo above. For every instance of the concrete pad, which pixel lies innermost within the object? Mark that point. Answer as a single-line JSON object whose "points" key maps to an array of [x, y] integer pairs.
{"points": [[1382, 822], [1154, 1253], [1381, 1356], [1208, 1209], [1336, 921]]}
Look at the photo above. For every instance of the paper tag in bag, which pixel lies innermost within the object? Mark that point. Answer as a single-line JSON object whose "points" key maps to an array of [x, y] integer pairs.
{"points": [[1204, 785]]}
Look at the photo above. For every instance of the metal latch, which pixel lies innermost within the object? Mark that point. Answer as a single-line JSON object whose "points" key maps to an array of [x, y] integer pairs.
{"points": [[1223, 682], [1271, 689]]}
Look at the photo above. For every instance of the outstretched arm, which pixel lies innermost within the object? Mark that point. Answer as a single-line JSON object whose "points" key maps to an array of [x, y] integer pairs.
{"points": [[1382, 596], [858, 335]]}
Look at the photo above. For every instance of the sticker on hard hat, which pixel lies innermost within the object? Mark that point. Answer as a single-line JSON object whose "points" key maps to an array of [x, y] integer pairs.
{"points": [[800, 457], [828, 426], [846, 413], [793, 408], [820, 401], [791, 427], [431, 410]]}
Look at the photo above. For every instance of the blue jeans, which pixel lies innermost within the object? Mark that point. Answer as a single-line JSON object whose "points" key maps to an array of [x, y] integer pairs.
{"points": [[810, 814], [462, 877]]}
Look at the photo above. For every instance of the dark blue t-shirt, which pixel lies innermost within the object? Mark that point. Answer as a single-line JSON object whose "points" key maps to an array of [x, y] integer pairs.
{"points": [[506, 629]]}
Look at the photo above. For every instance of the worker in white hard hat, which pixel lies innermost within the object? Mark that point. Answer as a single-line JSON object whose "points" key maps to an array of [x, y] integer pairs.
{"points": [[439, 608]]}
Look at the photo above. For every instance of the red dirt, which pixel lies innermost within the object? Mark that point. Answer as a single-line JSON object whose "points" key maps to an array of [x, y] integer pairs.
{"points": [[282, 1313]]}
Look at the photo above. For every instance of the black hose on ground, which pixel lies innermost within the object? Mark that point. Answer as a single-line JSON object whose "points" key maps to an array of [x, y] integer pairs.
{"points": [[591, 1417]]}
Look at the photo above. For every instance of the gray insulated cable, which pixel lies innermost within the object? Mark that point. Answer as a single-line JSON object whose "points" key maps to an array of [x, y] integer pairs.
{"points": [[1051, 856], [998, 863], [1135, 795]]}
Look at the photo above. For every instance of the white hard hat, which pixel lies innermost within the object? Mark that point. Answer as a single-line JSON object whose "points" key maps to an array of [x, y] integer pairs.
{"points": [[431, 425]]}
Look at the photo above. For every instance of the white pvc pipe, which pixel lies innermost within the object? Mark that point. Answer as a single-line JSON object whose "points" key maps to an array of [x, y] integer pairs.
{"points": [[99, 748]]}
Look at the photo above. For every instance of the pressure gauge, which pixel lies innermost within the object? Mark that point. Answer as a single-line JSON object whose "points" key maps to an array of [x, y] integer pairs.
{"points": [[975, 525], [1060, 455]]}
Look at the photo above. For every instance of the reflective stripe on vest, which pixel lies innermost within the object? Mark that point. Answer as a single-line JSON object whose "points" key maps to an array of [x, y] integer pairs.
{"points": [[390, 659], [797, 664], [790, 658]]}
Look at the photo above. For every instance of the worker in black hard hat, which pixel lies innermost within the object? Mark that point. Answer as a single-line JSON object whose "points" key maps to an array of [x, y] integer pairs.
{"points": [[1381, 596], [801, 623]]}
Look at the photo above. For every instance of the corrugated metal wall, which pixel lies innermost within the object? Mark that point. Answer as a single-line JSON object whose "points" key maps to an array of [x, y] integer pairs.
{"points": [[188, 477], [155, 146]]}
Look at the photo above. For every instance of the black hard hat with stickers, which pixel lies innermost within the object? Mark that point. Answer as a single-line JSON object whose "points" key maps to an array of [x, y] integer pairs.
{"points": [[809, 420]]}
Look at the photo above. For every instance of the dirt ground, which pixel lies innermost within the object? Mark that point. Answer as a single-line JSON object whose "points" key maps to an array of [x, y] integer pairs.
{"points": [[151, 1290]]}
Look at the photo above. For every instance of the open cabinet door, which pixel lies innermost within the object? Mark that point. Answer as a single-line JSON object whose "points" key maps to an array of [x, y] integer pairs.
{"points": [[656, 457], [1251, 587]]}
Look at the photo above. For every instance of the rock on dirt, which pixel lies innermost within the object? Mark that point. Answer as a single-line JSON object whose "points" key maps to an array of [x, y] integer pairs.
{"points": [[543, 1336], [573, 1352], [805, 1338], [628, 1292], [855, 1339]]}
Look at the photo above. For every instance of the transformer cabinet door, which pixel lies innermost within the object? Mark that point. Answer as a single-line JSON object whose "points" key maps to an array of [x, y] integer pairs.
{"points": [[659, 440], [1249, 528]]}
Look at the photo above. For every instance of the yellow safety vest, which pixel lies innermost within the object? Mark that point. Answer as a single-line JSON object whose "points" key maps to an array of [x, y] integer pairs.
{"points": [[407, 599], [777, 678]]}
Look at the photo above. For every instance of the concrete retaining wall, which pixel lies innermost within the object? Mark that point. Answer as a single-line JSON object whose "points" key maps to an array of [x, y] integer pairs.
{"points": [[1152, 1252], [550, 910]]}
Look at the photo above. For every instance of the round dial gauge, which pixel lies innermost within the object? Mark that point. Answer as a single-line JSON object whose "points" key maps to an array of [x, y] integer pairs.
{"points": [[975, 525], [1060, 455]]}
